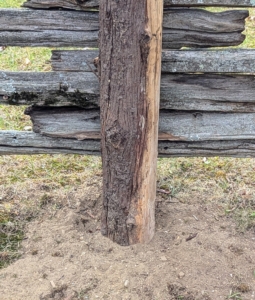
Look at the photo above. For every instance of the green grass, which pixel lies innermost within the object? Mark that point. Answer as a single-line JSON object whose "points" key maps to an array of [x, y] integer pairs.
{"points": [[11, 3]]}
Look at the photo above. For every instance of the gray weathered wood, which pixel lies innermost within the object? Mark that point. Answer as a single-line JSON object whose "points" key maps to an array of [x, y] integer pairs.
{"points": [[228, 148], [72, 4], [50, 88], [74, 60], [173, 61], [209, 92], [18, 142], [230, 3], [198, 28], [24, 27], [202, 28], [79, 124], [207, 61], [173, 126], [179, 92]]}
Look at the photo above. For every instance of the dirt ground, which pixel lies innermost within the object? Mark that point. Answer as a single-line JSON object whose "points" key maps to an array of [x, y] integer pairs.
{"points": [[196, 254]]}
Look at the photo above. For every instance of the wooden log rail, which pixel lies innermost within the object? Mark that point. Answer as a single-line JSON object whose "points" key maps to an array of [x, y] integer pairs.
{"points": [[80, 87], [73, 28], [28, 143], [78, 5], [191, 126]]}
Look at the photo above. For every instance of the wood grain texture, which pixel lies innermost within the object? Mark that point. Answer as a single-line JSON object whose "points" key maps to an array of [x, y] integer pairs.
{"points": [[207, 61], [74, 60], [24, 27], [74, 4], [173, 61], [210, 92], [20, 142], [182, 28], [69, 4], [130, 69], [82, 124], [229, 3], [201, 28], [50, 88], [23, 143]]}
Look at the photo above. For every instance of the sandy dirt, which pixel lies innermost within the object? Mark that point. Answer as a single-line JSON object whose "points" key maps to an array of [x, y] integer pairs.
{"points": [[196, 254]]}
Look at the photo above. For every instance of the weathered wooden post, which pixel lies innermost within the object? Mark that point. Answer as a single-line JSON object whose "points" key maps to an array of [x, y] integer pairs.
{"points": [[130, 67]]}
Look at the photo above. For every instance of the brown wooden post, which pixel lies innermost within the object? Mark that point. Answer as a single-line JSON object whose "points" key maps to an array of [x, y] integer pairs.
{"points": [[130, 67]]}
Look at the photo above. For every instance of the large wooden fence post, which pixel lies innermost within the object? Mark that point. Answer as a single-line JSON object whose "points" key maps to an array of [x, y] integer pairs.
{"points": [[130, 67]]}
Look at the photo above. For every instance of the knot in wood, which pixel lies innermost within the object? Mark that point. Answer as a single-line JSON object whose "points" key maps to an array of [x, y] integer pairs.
{"points": [[116, 136]]}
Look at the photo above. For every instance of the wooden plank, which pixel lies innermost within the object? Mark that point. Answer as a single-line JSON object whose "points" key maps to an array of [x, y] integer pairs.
{"points": [[82, 124], [208, 92], [49, 88], [24, 143], [69, 4], [74, 60], [72, 4], [225, 3], [207, 61], [173, 61], [24, 27], [228, 148], [199, 28], [18, 142], [130, 70]]}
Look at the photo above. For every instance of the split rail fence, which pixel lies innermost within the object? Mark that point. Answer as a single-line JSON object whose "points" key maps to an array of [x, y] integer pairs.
{"points": [[207, 97]]}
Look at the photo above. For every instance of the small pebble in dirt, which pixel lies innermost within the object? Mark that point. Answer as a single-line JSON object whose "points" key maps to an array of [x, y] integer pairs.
{"points": [[126, 283], [34, 252], [244, 288], [163, 258], [181, 275]]}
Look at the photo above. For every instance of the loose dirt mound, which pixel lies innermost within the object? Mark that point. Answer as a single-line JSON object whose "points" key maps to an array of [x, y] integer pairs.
{"points": [[195, 255]]}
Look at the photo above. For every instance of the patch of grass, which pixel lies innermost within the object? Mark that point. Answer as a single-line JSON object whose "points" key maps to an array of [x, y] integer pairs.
{"points": [[11, 234], [25, 59], [11, 3]]}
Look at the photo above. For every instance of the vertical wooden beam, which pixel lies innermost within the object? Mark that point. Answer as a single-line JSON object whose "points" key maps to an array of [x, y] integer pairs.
{"points": [[130, 67]]}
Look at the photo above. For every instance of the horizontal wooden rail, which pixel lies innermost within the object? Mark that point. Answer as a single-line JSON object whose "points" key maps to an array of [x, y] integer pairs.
{"points": [[22, 143], [72, 4], [173, 61], [209, 92], [77, 123], [199, 28], [208, 61]]}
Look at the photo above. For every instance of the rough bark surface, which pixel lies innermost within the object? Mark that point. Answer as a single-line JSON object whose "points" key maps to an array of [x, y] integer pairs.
{"points": [[130, 67]]}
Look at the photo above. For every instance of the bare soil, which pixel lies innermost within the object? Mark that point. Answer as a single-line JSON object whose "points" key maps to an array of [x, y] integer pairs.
{"points": [[197, 254]]}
